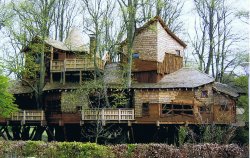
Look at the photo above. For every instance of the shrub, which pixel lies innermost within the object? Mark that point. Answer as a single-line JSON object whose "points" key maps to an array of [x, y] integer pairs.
{"points": [[91, 150]]}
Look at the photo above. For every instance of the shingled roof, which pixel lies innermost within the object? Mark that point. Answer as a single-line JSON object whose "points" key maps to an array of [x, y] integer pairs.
{"points": [[58, 85], [226, 89], [183, 78], [17, 87]]}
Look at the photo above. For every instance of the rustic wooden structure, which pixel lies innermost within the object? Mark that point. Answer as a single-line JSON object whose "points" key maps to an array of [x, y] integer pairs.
{"points": [[163, 93]]}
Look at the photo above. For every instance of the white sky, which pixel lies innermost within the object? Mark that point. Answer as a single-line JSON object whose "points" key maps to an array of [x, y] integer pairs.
{"points": [[188, 17]]}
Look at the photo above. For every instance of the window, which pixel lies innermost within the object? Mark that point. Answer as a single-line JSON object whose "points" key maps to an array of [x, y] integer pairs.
{"points": [[136, 56], [204, 109], [178, 52], [55, 56], [145, 109], [224, 107], [204, 94], [168, 109]]}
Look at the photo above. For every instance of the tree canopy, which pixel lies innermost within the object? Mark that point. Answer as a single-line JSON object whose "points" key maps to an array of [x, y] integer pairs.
{"points": [[7, 105]]}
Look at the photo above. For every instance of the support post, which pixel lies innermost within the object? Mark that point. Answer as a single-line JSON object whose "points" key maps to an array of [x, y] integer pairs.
{"points": [[51, 77], [80, 80], [24, 117], [119, 115], [64, 77], [64, 70]]}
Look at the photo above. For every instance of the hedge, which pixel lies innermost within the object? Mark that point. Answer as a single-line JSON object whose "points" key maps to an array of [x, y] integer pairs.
{"points": [[92, 150]]}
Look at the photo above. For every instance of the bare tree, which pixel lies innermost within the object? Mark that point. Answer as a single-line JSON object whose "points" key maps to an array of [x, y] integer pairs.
{"points": [[64, 17], [96, 15], [169, 10], [214, 42]]}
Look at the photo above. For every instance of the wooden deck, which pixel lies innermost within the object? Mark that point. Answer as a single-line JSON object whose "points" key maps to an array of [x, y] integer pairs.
{"points": [[83, 64], [110, 115], [24, 116]]}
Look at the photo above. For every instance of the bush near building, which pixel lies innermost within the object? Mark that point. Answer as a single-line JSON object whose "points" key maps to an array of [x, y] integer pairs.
{"points": [[92, 150]]}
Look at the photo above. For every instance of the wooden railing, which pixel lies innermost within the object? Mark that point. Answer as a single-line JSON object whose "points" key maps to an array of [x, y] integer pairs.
{"points": [[108, 114], [75, 64], [28, 115]]}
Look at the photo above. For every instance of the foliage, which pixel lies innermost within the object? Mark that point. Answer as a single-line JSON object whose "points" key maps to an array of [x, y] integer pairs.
{"points": [[71, 100], [183, 131], [7, 105], [54, 149], [241, 135], [243, 100], [212, 134], [91, 150]]}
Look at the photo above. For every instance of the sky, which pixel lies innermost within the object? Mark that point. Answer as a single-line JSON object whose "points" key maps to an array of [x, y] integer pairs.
{"points": [[188, 17]]}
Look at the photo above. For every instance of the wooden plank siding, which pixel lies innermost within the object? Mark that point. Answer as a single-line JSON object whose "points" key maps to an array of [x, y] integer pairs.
{"points": [[202, 109], [147, 77], [152, 71], [171, 63], [60, 118]]}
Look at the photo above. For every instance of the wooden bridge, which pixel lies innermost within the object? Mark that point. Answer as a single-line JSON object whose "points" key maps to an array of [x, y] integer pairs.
{"points": [[108, 115]]}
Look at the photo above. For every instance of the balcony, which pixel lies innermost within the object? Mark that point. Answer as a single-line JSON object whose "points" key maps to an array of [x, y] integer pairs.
{"points": [[83, 64], [24, 116], [110, 115]]}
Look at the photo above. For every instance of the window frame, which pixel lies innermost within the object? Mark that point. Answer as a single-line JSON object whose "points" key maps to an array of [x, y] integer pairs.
{"points": [[174, 110], [145, 111], [204, 95], [224, 107]]}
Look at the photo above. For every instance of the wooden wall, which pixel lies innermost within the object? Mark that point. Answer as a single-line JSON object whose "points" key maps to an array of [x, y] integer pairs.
{"points": [[171, 63], [227, 114], [145, 43], [152, 71], [212, 103], [147, 77], [166, 43]]}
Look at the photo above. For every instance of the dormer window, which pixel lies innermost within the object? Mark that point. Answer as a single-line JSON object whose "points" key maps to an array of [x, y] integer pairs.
{"points": [[136, 56], [178, 52]]}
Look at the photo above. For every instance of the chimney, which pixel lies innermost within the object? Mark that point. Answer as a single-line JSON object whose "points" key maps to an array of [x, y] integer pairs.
{"points": [[92, 41]]}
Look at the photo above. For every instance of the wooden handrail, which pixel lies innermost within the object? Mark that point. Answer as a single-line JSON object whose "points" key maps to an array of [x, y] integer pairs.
{"points": [[108, 114], [76, 63], [28, 115]]}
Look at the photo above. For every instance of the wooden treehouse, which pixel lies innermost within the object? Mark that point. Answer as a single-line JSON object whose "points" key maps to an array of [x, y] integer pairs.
{"points": [[163, 92]]}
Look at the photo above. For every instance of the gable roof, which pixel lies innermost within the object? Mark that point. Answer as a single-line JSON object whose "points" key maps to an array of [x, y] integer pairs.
{"points": [[226, 89], [150, 22], [158, 18], [183, 78]]}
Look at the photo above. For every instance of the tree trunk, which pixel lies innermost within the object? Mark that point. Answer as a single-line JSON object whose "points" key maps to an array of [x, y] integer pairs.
{"points": [[211, 36]]}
